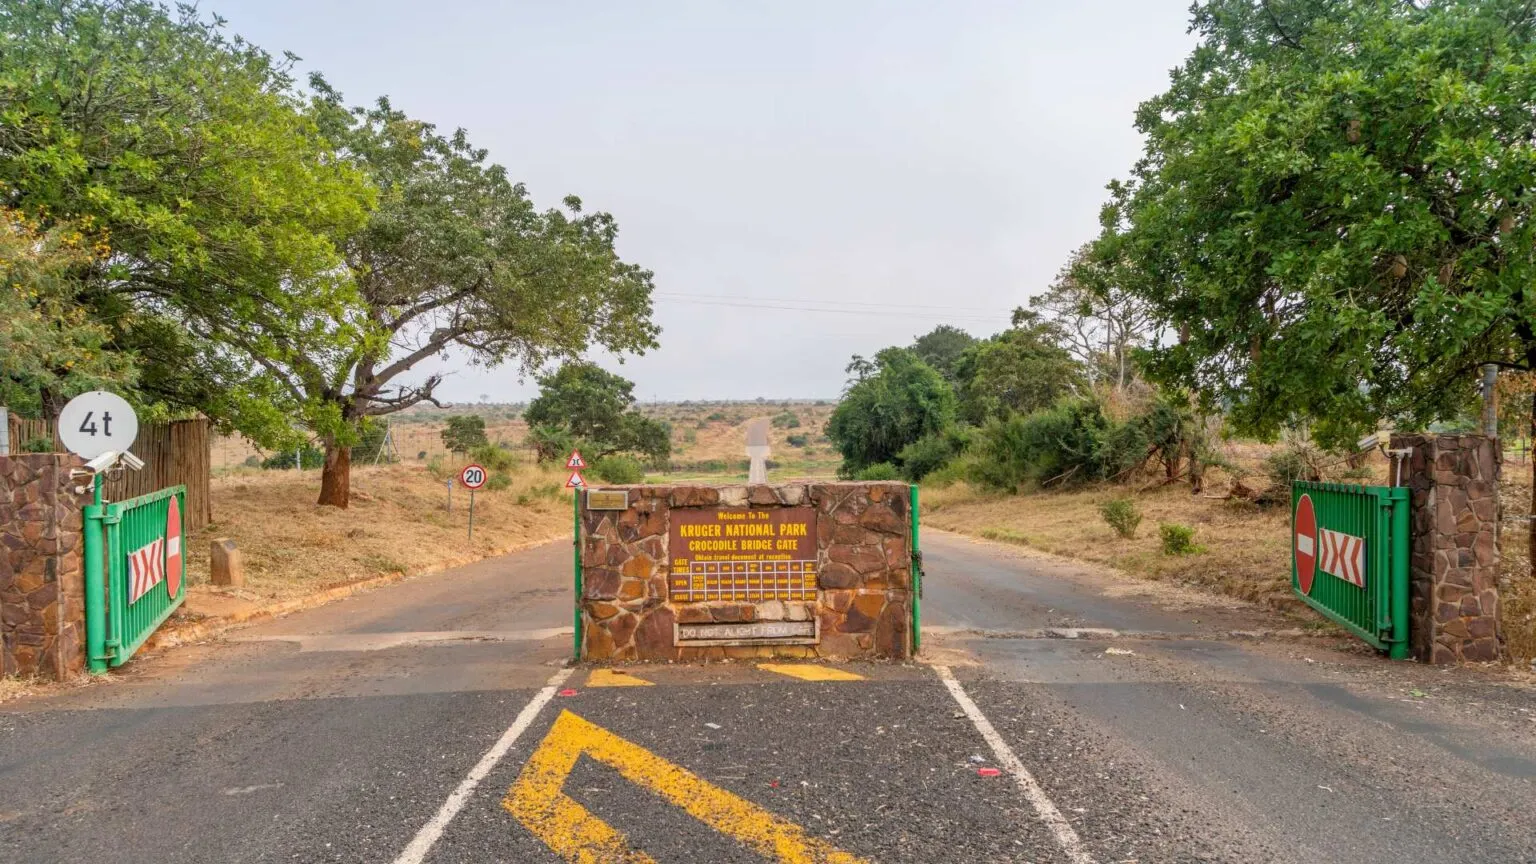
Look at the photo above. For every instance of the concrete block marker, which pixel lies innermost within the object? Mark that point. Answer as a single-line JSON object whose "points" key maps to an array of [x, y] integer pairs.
{"points": [[421, 844], [810, 671], [1071, 845], [539, 803]]}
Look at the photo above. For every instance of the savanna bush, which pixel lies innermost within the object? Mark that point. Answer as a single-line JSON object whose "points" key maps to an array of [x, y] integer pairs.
{"points": [[1122, 514]]}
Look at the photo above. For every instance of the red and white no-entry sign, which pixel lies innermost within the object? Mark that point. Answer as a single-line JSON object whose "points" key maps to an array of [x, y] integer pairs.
{"points": [[173, 556], [1304, 539]]}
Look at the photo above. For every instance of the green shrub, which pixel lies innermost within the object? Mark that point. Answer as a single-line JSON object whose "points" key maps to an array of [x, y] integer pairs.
{"points": [[960, 469], [551, 443], [798, 440], [715, 417], [498, 481], [931, 452], [464, 433], [421, 454], [436, 468], [44, 445], [1122, 514], [252, 461], [1178, 539], [786, 420], [1296, 461], [690, 436], [309, 457], [878, 471], [618, 470], [493, 458]]}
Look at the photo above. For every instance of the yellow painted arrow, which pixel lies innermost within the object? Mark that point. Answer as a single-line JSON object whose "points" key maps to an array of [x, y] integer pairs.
{"points": [[538, 801]]}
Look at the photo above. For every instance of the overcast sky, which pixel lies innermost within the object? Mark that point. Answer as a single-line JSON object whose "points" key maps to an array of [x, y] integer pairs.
{"points": [[914, 162]]}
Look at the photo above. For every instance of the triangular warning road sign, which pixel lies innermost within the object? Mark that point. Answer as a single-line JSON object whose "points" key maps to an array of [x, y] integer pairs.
{"points": [[538, 801], [575, 460], [575, 481]]}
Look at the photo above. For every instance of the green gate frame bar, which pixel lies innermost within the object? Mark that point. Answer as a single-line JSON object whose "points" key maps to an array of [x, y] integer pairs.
{"points": [[576, 569], [917, 577], [96, 656]]}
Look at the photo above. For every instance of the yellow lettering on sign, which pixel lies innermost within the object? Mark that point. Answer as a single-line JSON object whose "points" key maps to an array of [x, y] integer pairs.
{"points": [[538, 801]]}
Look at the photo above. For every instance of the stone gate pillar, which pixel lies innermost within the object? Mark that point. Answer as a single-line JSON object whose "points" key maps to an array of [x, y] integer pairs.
{"points": [[1454, 558], [42, 583]]}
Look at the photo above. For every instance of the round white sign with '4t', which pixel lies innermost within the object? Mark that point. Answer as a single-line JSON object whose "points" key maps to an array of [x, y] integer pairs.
{"points": [[473, 476], [97, 422]]}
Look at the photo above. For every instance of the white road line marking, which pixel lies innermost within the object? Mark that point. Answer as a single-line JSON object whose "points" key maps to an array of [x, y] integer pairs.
{"points": [[427, 836], [1066, 838]]}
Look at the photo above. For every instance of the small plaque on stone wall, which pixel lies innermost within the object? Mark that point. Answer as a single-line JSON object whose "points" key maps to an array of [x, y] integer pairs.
{"points": [[607, 499], [770, 632]]}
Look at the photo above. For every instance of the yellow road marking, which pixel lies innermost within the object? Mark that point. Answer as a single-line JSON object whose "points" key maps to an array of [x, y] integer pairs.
{"points": [[810, 671], [537, 800], [615, 678]]}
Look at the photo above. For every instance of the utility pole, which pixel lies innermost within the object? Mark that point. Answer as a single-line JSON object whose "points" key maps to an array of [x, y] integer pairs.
{"points": [[1490, 400]]}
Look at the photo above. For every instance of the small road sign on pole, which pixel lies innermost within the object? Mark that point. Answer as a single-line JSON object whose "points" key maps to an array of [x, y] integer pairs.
{"points": [[1304, 542], [575, 481], [97, 422], [575, 463], [473, 477]]}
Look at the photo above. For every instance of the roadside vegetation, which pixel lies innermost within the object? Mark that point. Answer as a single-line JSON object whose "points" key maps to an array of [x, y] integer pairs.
{"points": [[398, 525], [185, 223]]}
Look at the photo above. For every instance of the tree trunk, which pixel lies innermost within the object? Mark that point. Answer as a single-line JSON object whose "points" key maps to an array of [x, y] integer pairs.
{"points": [[336, 477], [1530, 523]]}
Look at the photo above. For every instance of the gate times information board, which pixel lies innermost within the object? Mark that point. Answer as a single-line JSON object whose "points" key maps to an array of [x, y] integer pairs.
{"points": [[743, 555]]}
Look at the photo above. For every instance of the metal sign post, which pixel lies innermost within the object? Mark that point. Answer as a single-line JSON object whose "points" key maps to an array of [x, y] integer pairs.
{"points": [[449, 483], [473, 477]]}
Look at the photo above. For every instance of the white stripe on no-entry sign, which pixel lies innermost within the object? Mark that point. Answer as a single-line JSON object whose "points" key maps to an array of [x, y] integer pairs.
{"points": [[1304, 544]]}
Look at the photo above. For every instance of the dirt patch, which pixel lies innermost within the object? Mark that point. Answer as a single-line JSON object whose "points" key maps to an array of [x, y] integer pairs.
{"points": [[397, 524]]}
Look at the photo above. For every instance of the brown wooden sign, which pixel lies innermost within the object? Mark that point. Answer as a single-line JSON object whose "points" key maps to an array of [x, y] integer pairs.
{"points": [[743, 555]]}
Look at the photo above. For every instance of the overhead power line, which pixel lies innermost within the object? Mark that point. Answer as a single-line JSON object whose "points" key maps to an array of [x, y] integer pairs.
{"points": [[853, 303], [897, 311]]}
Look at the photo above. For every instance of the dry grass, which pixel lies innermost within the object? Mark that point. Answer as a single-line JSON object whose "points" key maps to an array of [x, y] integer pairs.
{"points": [[396, 524], [1517, 590], [1246, 555], [15, 688]]}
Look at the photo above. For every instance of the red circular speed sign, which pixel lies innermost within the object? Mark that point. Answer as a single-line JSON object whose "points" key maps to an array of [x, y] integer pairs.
{"points": [[1304, 539], [473, 476], [173, 557]]}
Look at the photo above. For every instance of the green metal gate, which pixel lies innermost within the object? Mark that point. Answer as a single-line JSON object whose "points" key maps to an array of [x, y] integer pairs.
{"points": [[1349, 558], [144, 577]]}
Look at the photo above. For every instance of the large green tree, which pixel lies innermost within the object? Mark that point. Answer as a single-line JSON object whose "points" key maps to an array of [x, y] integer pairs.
{"points": [[190, 157], [455, 261], [1023, 369], [47, 343], [1334, 209], [1096, 319], [942, 347], [592, 406], [893, 401]]}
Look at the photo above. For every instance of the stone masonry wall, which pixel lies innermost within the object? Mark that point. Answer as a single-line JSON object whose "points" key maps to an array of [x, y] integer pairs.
{"points": [[863, 551], [42, 585], [1454, 562]]}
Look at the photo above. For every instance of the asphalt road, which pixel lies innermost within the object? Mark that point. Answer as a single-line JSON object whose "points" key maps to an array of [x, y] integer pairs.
{"points": [[435, 721]]}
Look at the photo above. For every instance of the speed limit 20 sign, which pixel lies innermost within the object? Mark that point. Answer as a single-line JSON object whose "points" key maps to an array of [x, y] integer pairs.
{"points": [[473, 476]]}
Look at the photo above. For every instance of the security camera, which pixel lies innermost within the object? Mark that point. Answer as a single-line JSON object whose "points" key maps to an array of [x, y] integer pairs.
{"points": [[103, 462], [133, 461]]}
